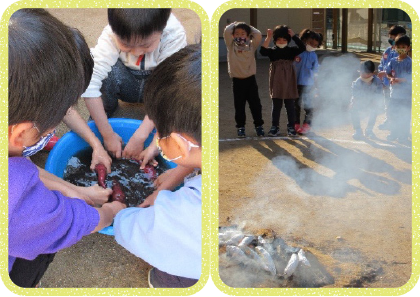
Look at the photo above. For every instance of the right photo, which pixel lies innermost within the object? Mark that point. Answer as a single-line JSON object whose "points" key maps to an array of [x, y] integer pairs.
{"points": [[315, 151]]}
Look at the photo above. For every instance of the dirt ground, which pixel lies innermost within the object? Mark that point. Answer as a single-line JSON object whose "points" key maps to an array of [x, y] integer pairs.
{"points": [[97, 261], [347, 202]]}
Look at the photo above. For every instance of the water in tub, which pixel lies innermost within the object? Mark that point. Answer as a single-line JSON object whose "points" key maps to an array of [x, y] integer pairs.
{"points": [[137, 184]]}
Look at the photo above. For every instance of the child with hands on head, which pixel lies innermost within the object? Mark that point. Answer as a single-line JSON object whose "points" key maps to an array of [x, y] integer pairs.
{"points": [[129, 48], [168, 234], [306, 66], [46, 77], [282, 76], [242, 41]]}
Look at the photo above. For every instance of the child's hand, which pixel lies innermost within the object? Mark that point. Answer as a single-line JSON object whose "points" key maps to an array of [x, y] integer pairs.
{"points": [[100, 156], [113, 144], [133, 148], [269, 33], [150, 200], [161, 178], [382, 74], [148, 156], [96, 194], [291, 33]]}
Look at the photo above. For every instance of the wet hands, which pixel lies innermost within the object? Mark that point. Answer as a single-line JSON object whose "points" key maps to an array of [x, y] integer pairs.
{"points": [[150, 200], [113, 144], [101, 156], [134, 148]]}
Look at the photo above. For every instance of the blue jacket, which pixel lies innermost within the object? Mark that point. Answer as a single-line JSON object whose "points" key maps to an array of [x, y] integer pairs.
{"points": [[306, 65], [386, 57], [400, 69]]}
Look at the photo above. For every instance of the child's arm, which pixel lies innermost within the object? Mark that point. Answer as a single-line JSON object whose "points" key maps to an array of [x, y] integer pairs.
{"points": [[169, 180], [136, 143], [112, 140], [256, 37], [76, 123], [107, 213], [94, 195], [228, 35], [299, 43], [267, 39], [148, 155]]}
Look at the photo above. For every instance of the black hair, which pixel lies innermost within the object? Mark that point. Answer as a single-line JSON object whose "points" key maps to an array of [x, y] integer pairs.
{"points": [[396, 30], [131, 24], [403, 40], [281, 32], [367, 67], [85, 56], [172, 94], [46, 76], [306, 34], [243, 26]]}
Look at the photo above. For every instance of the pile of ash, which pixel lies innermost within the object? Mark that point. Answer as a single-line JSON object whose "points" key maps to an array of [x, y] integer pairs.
{"points": [[265, 260]]}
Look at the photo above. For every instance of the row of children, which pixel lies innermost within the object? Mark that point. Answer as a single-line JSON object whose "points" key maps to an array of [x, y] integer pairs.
{"points": [[393, 82], [292, 80], [291, 77], [50, 67]]}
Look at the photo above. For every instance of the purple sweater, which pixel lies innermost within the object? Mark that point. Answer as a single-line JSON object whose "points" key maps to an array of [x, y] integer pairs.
{"points": [[42, 221]]}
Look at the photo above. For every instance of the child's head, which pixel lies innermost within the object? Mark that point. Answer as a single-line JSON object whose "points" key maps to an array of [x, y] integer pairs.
{"points": [[85, 55], [394, 31], [312, 39], [367, 70], [138, 30], [281, 36], [172, 97], [241, 30], [46, 76], [402, 44]]}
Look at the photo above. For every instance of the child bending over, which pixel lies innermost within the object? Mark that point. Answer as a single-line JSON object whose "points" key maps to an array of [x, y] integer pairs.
{"points": [[168, 234]]}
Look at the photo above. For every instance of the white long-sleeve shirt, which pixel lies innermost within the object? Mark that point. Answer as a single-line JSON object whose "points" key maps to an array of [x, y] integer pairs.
{"points": [[106, 53], [167, 235]]}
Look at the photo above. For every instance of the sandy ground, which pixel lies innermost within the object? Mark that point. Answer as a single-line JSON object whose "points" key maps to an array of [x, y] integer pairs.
{"points": [[97, 261], [347, 202]]}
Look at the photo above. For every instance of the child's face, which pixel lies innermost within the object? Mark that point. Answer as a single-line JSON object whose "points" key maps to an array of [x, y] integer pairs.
{"points": [[281, 40], [312, 42], [140, 46], [365, 75], [402, 49], [178, 149], [240, 33]]}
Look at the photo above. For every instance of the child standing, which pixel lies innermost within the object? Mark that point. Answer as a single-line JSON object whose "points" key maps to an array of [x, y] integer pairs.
{"points": [[282, 77], [366, 95], [306, 65], [242, 41], [389, 54], [168, 234], [399, 71], [46, 77], [129, 48]]}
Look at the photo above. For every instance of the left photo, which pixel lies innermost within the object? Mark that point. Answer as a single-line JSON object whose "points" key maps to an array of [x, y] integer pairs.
{"points": [[104, 147]]}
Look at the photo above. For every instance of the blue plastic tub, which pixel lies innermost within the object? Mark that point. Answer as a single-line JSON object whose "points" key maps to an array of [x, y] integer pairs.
{"points": [[71, 143]]}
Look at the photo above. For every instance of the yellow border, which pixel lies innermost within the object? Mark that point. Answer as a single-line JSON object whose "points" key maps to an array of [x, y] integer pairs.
{"points": [[219, 11]]}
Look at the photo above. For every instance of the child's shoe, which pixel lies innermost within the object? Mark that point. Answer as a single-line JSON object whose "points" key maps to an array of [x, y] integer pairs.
{"points": [[291, 131], [304, 129], [297, 127], [358, 134], [369, 133], [260, 131], [274, 131], [241, 132]]}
